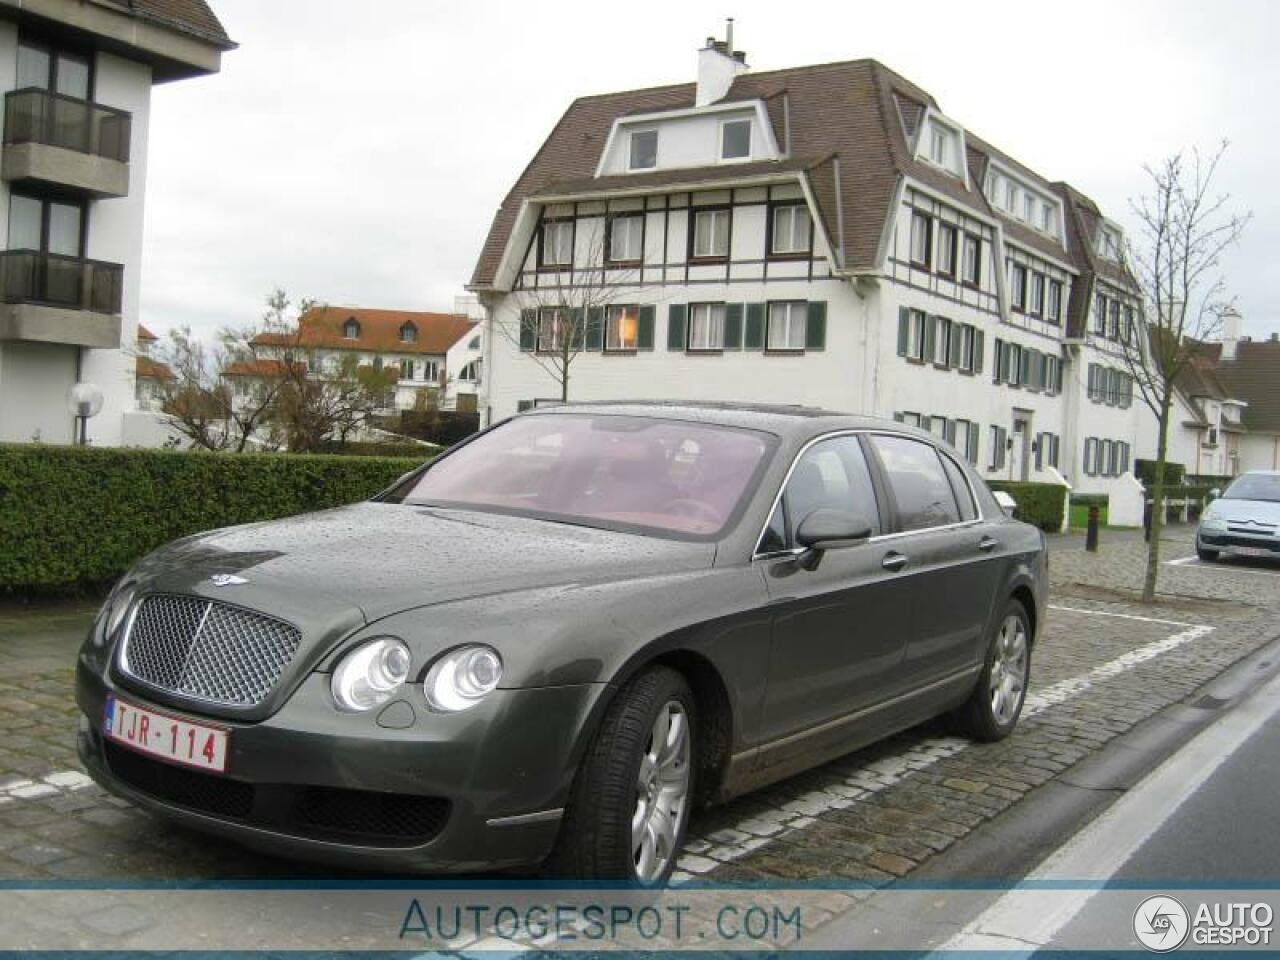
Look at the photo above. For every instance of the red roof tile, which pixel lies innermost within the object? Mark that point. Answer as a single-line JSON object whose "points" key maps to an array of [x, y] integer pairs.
{"points": [[322, 327]]}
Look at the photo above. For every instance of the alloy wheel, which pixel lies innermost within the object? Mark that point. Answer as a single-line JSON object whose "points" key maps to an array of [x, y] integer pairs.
{"points": [[1009, 670], [662, 793]]}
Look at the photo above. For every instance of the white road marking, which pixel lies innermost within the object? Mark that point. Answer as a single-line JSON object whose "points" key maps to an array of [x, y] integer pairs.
{"points": [[725, 846], [1122, 616], [1197, 563], [1033, 915], [23, 788]]}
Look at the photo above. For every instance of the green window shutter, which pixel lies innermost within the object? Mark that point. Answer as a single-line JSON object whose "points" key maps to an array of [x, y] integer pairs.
{"points": [[1039, 442], [645, 325], [577, 329], [733, 326], [677, 319], [815, 335], [979, 349], [523, 405], [930, 335], [753, 331], [997, 361], [949, 432], [957, 338], [528, 329], [973, 443], [595, 328], [1025, 372], [899, 418], [904, 330]]}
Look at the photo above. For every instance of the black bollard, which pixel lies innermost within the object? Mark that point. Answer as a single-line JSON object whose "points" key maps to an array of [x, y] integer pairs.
{"points": [[1091, 533]]}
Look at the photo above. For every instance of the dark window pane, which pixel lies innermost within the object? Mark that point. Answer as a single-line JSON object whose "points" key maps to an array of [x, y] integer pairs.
{"points": [[919, 484], [737, 140], [33, 67], [775, 534], [968, 511], [644, 149], [832, 475]]}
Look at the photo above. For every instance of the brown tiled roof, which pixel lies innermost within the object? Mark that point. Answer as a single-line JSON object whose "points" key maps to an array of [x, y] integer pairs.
{"points": [[858, 111], [256, 368], [188, 16], [148, 369], [1253, 376], [145, 335], [379, 331]]}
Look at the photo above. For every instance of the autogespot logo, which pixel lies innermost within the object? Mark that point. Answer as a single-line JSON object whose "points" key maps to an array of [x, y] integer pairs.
{"points": [[1161, 923]]}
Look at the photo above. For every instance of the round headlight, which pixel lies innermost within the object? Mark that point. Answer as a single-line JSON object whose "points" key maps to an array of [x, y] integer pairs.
{"points": [[370, 674], [462, 678]]}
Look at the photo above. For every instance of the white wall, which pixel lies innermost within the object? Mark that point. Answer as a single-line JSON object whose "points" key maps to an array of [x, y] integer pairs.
{"points": [[115, 235]]}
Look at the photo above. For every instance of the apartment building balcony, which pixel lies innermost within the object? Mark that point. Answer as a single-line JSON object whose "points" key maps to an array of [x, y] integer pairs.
{"points": [[54, 139], [50, 298]]}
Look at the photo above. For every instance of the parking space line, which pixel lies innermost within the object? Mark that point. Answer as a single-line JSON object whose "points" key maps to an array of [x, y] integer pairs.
{"points": [[1198, 564], [885, 772], [1122, 616]]}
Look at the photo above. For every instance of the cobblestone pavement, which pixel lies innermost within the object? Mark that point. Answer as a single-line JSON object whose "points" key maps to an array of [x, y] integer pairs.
{"points": [[1104, 663]]}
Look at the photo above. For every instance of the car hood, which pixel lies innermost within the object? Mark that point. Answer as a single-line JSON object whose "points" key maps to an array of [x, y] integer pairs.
{"points": [[1263, 513], [382, 558]]}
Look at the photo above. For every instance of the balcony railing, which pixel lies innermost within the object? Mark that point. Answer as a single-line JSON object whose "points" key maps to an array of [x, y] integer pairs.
{"points": [[28, 276], [34, 115]]}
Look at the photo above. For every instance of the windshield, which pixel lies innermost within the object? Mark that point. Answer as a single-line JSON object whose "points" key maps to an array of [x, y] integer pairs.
{"points": [[623, 472], [1255, 486]]}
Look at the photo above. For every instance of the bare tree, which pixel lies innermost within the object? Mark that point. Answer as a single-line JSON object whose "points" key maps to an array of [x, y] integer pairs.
{"points": [[267, 384], [565, 311], [1184, 229], [200, 403]]}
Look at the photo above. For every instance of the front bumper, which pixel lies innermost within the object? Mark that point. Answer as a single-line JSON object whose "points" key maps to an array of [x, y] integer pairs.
{"points": [[1227, 539], [477, 791]]}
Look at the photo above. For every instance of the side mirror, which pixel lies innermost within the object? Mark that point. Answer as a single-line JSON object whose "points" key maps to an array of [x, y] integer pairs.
{"points": [[826, 529]]}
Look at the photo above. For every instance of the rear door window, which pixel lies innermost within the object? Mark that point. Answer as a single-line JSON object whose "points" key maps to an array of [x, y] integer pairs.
{"points": [[968, 509], [918, 482]]}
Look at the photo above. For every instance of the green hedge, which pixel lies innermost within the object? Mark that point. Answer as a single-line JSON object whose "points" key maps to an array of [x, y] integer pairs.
{"points": [[1145, 470], [77, 517], [1038, 503], [1090, 500]]}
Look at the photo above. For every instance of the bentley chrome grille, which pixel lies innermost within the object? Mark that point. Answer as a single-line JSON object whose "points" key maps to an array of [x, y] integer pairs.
{"points": [[207, 650]]}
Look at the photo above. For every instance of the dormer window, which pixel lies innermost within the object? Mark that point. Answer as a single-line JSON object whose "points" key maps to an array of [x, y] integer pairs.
{"points": [[1109, 243], [735, 140], [408, 333], [351, 329], [644, 150], [940, 145]]}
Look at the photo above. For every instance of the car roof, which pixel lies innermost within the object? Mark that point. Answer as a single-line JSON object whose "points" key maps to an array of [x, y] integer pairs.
{"points": [[782, 419]]}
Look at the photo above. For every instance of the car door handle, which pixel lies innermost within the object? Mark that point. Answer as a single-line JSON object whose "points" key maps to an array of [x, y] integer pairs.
{"points": [[987, 544], [893, 561]]}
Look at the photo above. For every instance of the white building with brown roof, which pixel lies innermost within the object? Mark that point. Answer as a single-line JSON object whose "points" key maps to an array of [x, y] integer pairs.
{"points": [[76, 78], [822, 235], [412, 347]]}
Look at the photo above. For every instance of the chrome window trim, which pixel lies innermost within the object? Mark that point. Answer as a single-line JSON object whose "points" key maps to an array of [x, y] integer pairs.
{"points": [[879, 538]]}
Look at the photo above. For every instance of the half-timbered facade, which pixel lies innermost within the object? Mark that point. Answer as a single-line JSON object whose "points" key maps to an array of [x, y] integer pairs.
{"points": [[823, 235]]}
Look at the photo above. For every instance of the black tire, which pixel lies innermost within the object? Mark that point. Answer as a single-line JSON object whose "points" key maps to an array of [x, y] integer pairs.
{"points": [[595, 836], [1207, 555], [976, 718]]}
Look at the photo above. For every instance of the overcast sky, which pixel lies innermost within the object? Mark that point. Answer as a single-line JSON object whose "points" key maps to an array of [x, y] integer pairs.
{"points": [[356, 152]]}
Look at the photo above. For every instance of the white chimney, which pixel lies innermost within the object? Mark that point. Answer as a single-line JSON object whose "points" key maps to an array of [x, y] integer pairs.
{"points": [[718, 65], [1230, 334]]}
